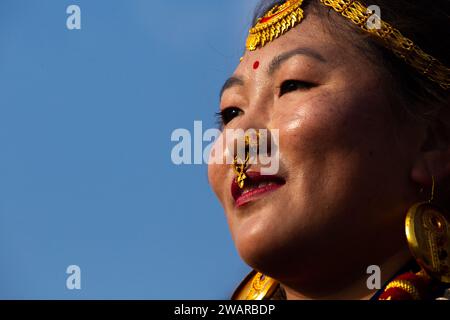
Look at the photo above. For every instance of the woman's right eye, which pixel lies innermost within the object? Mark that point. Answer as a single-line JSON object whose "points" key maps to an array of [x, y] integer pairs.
{"points": [[228, 114]]}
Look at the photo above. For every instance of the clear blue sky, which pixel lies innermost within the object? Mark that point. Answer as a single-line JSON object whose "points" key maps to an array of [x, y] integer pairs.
{"points": [[86, 176]]}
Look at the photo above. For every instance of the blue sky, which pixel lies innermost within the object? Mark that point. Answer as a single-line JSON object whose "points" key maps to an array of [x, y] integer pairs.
{"points": [[86, 176]]}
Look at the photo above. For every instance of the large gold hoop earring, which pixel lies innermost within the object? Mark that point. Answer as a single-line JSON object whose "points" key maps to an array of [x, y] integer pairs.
{"points": [[427, 228]]}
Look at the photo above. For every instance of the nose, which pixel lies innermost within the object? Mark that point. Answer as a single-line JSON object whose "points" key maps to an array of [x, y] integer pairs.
{"points": [[248, 148], [249, 135]]}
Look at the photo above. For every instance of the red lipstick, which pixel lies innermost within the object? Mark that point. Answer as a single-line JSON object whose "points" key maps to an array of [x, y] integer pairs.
{"points": [[256, 185]]}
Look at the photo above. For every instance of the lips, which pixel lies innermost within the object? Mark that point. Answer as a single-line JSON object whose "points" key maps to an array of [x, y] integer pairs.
{"points": [[256, 185]]}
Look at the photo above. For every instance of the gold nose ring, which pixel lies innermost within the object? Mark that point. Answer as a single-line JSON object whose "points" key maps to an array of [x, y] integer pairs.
{"points": [[240, 167]]}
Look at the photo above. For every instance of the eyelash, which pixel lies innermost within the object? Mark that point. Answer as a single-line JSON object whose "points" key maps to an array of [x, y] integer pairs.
{"points": [[225, 116], [293, 85]]}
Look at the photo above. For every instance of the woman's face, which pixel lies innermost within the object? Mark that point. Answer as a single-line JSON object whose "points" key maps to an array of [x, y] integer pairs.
{"points": [[344, 157]]}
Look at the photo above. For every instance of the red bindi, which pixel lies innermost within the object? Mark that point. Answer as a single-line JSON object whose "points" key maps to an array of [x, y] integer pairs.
{"points": [[256, 65]]}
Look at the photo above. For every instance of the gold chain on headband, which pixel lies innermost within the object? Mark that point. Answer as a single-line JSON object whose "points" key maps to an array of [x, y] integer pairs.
{"points": [[393, 39], [282, 18], [279, 20]]}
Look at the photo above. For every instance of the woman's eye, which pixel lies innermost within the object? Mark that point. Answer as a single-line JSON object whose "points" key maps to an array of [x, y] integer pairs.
{"points": [[228, 114], [293, 85]]}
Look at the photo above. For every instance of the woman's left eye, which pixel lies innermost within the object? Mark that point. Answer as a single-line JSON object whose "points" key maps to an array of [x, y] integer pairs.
{"points": [[293, 85]]}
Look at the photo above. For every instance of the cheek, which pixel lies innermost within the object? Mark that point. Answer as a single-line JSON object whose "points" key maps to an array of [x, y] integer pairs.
{"points": [[220, 169], [308, 129], [216, 168], [333, 123], [335, 146], [217, 174], [213, 177]]}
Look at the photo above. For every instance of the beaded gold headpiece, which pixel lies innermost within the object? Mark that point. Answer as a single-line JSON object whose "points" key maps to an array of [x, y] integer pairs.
{"points": [[281, 18], [276, 22]]}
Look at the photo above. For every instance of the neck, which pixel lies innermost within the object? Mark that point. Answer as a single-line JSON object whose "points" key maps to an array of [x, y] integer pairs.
{"points": [[355, 288]]}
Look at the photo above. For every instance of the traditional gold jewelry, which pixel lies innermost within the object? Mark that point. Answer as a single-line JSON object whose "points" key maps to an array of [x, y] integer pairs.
{"points": [[427, 228], [276, 22], [433, 186], [281, 18], [241, 166], [392, 38], [256, 286], [406, 286]]}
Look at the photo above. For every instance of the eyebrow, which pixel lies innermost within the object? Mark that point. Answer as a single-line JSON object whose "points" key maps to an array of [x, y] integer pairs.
{"points": [[231, 82], [279, 60], [274, 65]]}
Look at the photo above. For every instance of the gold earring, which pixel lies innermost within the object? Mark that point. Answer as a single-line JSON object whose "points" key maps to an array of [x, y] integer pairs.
{"points": [[427, 229]]}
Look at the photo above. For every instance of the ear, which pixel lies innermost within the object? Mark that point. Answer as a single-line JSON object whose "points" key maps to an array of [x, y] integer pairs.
{"points": [[434, 158], [431, 163]]}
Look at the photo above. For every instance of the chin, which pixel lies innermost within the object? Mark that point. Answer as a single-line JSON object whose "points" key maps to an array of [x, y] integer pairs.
{"points": [[258, 256], [276, 249], [261, 248]]}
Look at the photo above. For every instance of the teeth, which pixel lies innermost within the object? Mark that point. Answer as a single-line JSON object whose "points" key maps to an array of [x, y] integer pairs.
{"points": [[259, 185]]}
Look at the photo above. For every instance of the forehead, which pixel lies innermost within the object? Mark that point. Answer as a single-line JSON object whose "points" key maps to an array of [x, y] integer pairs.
{"points": [[314, 32]]}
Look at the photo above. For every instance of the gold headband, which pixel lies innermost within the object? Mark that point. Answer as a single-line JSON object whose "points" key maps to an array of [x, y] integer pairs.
{"points": [[281, 18]]}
